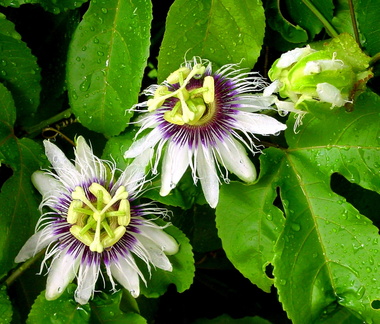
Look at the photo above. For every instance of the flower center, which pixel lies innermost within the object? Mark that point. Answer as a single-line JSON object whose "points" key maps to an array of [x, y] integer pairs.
{"points": [[193, 107], [99, 224]]}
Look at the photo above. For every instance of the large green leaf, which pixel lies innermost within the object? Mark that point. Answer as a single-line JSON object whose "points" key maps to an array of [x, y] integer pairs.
{"points": [[246, 218], [223, 31], [5, 307], [62, 310], [326, 259], [367, 13], [18, 200], [106, 62], [18, 69]]}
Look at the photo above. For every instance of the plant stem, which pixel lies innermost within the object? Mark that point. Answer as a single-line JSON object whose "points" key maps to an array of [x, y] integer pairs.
{"points": [[37, 128], [374, 59], [353, 20], [18, 272], [329, 28]]}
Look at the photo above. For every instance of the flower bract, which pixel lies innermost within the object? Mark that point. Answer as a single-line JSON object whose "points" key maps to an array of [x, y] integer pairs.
{"points": [[93, 222], [205, 120]]}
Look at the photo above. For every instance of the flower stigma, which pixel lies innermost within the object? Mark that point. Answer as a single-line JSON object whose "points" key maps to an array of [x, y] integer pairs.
{"points": [[100, 222], [194, 104]]}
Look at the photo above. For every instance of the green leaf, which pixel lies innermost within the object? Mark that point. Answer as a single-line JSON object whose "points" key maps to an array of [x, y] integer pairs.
{"points": [[225, 319], [326, 257], [367, 14], [18, 70], [7, 107], [18, 199], [342, 18], [183, 268], [106, 62], [304, 17], [106, 309], [276, 20], [62, 310], [222, 31], [5, 307], [53, 6], [246, 218]]}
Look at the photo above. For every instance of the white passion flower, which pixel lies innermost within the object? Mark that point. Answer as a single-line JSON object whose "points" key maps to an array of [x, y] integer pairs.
{"points": [[94, 223], [204, 119]]}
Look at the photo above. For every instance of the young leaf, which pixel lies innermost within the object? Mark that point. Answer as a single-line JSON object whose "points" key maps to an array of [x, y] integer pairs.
{"points": [[18, 70], [246, 218], [106, 62], [222, 31], [62, 310]]}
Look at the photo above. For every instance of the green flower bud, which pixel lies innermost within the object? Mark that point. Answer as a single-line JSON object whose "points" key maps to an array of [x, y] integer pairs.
{"points": [[329, 76]]}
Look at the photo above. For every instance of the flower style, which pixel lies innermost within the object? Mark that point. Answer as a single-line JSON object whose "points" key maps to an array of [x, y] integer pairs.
{"points": [[205, 118], [94, 221]]}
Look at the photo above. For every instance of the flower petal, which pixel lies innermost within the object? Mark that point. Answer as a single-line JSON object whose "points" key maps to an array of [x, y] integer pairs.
{"points": [[155, 253], [143, 143], [65, 169], [175, 162], [87, 277], [35, 244], [234, 157], [62, 271], [258, 123], [125, 271], [46, 184], [208, 176], [166, 242]]}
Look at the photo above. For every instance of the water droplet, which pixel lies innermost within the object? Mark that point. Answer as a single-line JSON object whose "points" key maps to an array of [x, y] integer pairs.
{"points": [[75, 96], [100, 53], [84, 48], [282, 282], [78, 58], [3, 62], [104, 10], [3, 73], [96, 40], [295, 227], [85, 85], [269, 217]]}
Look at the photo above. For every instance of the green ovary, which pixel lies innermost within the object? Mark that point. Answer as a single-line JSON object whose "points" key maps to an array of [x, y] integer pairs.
{"points": [[99, 224]]}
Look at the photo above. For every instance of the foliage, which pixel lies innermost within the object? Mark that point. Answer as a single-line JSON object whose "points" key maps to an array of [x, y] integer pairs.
{"points": [[299, 245]]}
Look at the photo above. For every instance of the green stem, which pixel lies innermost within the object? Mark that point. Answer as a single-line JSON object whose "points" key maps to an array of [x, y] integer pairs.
{"points": [[329, 28], [37, 128], [19, 271], [374, 59], [353, 20]]}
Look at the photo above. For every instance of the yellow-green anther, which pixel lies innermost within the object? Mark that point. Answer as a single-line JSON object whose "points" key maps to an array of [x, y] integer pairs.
{"points": [[173, 118], [79, 194], [118, 232], [124, 207], [85, 238], [72, 213], [96, 189], [209, 95], [178, 75]]}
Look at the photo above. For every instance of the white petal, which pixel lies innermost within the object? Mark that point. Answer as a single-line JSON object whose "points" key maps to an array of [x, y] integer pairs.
{"points": [[46, 184], [208, 176], [62, 165], [125, 272], [290, 57], [35, 244], [258, 123], [253, 103], [135, 172], [155, 254], [234, 157], [166, 242], [86, 162], [143, 143], [331, 94], [176, 161], [87, 277], [274, 87], [62, 271]]}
